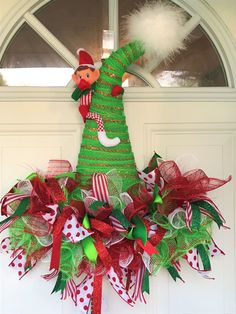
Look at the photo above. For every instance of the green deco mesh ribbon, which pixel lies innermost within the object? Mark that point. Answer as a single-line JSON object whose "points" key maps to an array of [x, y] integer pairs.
{"points": [[94, 157], [20, 238], [177, 243]]}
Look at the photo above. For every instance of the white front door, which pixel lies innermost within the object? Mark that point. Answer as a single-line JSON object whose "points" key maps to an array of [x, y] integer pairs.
{"points": [[202, 133]]}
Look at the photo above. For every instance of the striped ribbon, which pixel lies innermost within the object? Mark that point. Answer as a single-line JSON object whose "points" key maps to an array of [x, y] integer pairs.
{"points": [[51, 275], [188, 214], [10, 198], [138, 285], [70, 291], [116, 224], [100, 187], [207, 199], [85, 100], [57, 166], [118, 286], [7, 224]]}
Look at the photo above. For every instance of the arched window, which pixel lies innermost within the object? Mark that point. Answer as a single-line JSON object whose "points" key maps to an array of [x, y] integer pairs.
{"points": [[41, 52]]}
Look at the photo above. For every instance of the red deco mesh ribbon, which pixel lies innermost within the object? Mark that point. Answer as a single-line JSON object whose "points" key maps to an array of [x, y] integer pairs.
{"points": [[107, 262], [97, 295], [188, 186], [37, 255], [57, 236], [55, 189], [101, 226]]}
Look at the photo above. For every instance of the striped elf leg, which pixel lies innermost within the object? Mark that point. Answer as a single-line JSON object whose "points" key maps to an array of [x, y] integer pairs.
{"points": [[102, 137]]}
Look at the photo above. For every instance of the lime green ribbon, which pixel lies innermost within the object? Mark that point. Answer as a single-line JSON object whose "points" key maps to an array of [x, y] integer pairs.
{"points": [[157, 197], [22, 207], [139, 231], [87, 243]]}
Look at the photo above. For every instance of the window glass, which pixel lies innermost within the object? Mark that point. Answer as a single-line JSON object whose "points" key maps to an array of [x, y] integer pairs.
{"points": [[130, 80], [198, 65], [30, 61], [128, 6], [77, 23]]}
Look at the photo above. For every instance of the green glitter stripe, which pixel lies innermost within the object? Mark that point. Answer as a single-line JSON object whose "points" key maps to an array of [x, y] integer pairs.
{"points": [[93, 156]]}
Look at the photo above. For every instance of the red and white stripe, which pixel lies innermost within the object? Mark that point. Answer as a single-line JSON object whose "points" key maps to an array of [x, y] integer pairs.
{"points": [[116, 224], [98, 119], [215, 207], [51, 275], [10, 198], [85, 100], [188, 214], [138, 285], [7, 224], [70, 291], [57, 166], [100, 187], [118, 286]]}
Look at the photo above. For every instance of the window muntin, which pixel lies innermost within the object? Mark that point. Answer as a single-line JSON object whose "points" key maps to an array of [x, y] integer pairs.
{"points": [[199, 65], [30, 61], [189, 68], [77, 23]]}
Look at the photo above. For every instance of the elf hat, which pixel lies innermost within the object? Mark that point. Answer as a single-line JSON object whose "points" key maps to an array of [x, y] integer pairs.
{"points": [[84, 58]]}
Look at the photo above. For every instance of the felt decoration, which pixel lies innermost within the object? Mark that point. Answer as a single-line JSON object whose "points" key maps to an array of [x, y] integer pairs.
{"points": [[107, 219], [84, 58], [85, 77]]}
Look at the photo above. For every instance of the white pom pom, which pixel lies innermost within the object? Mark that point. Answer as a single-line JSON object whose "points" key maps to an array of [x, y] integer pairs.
{"points": [[159, 26]]}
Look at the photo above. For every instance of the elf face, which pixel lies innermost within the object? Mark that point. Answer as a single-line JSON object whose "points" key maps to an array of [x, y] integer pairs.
{"points": [[84, 78]]}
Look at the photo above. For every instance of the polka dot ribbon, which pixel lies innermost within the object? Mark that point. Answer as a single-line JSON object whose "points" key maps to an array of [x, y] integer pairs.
{"points": [[193, 259], [74, 231], [18, 257]]}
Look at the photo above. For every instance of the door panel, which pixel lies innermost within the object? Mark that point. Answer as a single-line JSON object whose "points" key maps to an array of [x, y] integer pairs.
{"points": [[196, 134]]}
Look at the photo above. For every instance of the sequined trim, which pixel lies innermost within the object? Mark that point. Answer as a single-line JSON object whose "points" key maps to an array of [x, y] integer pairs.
{"points": [[123, 175], [107, 94], [120, 62], [95, 138], [105, 165], [113, 120], [109, 67], [128, 55], [104, 158], [112, 75], [108, 150], [103, 82], [95, 129], [107, 107]]}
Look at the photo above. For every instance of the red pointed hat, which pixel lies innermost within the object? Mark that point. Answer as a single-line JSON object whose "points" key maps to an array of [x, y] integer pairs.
{"points": [[84, 58]]}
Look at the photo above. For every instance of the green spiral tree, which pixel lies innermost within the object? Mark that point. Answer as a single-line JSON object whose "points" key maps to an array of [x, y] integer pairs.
{"points": [[94, 157]]}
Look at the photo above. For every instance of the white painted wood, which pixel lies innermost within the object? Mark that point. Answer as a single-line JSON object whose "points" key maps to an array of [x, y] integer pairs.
{"points": [[189, 26], [37, 124], [164, 94], [210, 21], [206, 130], [50, 39], [113, 21]]}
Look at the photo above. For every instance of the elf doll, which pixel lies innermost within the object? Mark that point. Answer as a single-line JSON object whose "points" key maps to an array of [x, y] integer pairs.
{"points": [[85, 77]]}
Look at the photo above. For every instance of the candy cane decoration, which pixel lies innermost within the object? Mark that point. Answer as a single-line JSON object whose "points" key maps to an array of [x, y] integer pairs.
{"points": [[188, 214], [85, 100], [99, 187], [138, 285], [102, 137], [7, 224], [95, 116]]}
